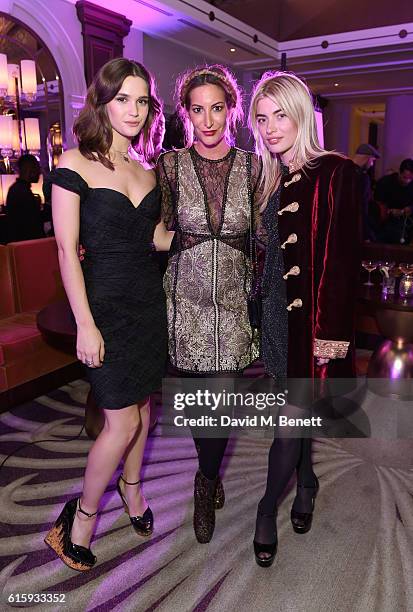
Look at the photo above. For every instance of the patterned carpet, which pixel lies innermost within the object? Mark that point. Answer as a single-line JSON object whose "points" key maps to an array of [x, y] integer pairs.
{"points": [[358, 556]]}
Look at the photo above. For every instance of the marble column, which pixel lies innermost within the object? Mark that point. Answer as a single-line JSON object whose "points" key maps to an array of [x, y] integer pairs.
{"points": [[337, 126]]}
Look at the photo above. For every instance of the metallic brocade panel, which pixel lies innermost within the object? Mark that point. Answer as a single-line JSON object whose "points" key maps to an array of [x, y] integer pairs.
{"points": [[206, 285]]}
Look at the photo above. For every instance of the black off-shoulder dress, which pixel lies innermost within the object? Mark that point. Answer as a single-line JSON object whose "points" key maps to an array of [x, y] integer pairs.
{"points": [[124, 289]]}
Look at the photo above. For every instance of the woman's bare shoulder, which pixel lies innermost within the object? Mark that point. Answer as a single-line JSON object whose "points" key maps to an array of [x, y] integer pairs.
{"points": [[72, 159]]}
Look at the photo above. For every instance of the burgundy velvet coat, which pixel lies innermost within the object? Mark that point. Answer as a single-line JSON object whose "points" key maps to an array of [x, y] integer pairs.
{"points": [[320, 206]]}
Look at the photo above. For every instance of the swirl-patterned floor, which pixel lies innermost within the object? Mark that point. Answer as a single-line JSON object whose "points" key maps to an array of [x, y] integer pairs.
{"points": [[358, 556]]}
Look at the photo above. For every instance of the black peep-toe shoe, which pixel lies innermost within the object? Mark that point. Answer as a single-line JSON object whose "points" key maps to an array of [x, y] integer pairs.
{"points": [[265, 553], [302, 521], [75, 556], [143, 525]]}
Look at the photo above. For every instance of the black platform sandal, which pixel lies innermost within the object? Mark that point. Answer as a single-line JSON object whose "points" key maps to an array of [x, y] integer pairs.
{"points": [[302, 521], [75, 556], [143, 525], [265, 553]]}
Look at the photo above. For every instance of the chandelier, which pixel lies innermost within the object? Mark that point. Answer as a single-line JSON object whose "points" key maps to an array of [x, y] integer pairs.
{"points": [[18, 88]]}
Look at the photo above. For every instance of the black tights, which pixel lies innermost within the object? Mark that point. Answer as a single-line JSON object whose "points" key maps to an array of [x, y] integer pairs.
{"points": [[286, 454], [211, 451]]}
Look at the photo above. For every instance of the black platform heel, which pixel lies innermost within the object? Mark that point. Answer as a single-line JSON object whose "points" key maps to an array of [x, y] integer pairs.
{"points": [[143, 525], [265, 553], [75, 556], [219, 496], [204, 507], [302, 521]]}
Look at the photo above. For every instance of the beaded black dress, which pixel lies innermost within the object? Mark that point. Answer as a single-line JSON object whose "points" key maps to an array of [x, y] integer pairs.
{"points": [[124, 289], [211, 205]]}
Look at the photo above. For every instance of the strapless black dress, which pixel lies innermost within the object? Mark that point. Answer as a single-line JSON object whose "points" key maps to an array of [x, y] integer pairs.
{"points": [[124, 289]]}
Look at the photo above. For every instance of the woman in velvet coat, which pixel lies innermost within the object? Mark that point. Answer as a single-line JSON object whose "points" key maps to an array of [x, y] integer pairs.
{"points": [[311, 220]]}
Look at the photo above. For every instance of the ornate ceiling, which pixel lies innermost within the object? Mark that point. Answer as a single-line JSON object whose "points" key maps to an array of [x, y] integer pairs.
{"points": [[291, 19], [18, 43]]}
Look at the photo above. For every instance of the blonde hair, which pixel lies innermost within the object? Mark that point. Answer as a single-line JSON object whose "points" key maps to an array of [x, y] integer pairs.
{"points": [[215, 74], [294, 98]]}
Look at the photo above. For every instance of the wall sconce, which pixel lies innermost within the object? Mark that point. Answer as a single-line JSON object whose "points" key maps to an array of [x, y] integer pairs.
{"points": [[32, 131], [13, 74], [17, 136], [4, 75], [7, 181], [29, 80], [6, 135]]}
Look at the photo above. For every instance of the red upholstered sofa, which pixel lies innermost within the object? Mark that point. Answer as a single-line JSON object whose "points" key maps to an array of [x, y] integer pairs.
{"points": [[29, 280]]}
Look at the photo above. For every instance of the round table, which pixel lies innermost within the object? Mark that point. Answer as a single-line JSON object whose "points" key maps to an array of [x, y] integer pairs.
{"points": [[392, 361], [57, 324]]}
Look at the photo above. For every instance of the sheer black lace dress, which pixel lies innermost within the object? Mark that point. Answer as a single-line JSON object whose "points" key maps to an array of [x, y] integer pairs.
{"points": [[209, 204]]}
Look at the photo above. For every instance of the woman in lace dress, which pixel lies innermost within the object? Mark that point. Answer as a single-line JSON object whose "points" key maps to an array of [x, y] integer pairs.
{"points": [[208, 193], [311, 217]]}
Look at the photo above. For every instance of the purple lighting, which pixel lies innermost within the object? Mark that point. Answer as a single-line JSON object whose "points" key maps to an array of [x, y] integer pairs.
{"points": [[148, 16], [396, 369]]}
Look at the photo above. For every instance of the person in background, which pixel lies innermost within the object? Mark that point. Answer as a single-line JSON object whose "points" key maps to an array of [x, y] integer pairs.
{"points": [[394, 196], [174, 132], [158, 137], [24, 216], [364, 159]]}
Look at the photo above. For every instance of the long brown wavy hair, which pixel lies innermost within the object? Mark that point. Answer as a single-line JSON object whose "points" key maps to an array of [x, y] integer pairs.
{"points": [[93, 129]]}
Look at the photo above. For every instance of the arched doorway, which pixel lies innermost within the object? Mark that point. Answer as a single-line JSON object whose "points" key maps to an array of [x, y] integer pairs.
{"points": [[44, 107], [60, 34]]}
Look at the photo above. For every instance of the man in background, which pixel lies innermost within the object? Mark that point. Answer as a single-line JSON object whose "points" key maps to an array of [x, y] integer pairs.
{"points": [[24, 216], [394, 195], [364, 159]]}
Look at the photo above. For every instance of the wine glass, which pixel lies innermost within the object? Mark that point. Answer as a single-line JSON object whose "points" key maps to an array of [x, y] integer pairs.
{"points": [[369, 266], [406, 268]]}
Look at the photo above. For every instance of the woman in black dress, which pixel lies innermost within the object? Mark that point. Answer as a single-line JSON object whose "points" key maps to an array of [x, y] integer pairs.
{"points": [[111, 204]]}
